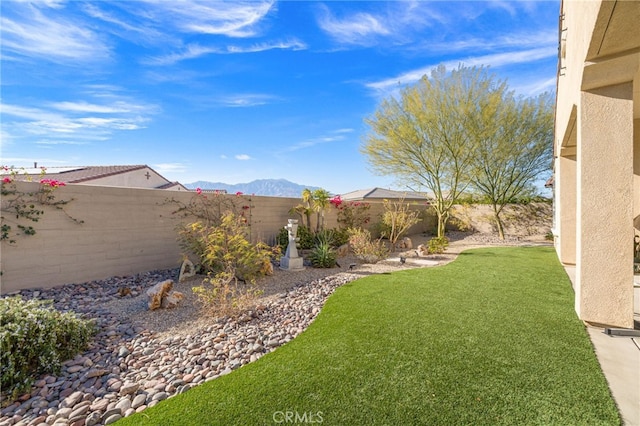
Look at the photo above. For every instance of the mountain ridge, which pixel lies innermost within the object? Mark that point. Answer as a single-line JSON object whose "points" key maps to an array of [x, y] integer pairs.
{"points": [[265, 187]]}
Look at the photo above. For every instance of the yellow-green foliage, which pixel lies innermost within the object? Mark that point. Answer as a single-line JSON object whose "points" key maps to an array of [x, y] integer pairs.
{"points": [[227, 256], [438, 245], [364, 248]]}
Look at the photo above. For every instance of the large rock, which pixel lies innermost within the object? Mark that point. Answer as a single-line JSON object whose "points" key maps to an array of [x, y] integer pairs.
{"points": [[158, 292], [422, 250], [171, 299], [408, 244], [187, 270]]}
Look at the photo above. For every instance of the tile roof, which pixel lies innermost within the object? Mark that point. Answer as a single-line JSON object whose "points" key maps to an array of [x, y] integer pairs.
{"points": [[381, 193], [87, 173]]}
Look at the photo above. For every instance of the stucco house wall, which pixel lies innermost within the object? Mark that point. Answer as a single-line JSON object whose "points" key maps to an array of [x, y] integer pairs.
{"points": [[596, 154]]}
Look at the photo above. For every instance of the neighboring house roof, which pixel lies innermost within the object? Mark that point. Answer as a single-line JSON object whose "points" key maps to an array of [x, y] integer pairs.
{"points": [[381, 194], [174, 186], [89, 174]]}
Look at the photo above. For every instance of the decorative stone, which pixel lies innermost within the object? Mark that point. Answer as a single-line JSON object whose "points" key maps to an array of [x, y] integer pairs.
{"points": [[129, 388], [138, 401], [408, 244], [171, 300], [343, 250], [158, 292], [187, 270]]}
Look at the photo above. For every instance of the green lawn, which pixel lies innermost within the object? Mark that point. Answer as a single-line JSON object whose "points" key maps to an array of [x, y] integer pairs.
{"points": [[489, 339]]}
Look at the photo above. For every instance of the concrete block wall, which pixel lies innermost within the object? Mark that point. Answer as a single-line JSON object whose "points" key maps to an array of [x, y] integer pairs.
{"points": [[127, 231]]}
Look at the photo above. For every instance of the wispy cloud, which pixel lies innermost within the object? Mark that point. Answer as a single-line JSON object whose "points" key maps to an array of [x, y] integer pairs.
{"points": [[170, 167], [242, 157], [394, 24], [329, 137], [193, 51], [262, 47], [246, 100], [28, 32], [495, 60], [518, 41], [356, 29], [232, 19], [75, 122]]}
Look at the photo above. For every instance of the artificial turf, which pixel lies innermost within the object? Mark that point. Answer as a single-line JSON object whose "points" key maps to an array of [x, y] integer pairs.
{"points": [[489, 339]]}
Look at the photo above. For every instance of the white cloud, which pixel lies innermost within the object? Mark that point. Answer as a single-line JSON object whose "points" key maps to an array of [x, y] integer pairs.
{"points": [[170, 167], [395, 23], [232, 19], [261, 47], [246, 100], [336, 136], [78, 121], [28, 32], [191, 51], [243, 157], [357, 29], [194, 51], [495, 60]]}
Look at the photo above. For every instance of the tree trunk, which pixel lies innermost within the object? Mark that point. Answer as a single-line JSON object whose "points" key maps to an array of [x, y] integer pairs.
{"points": [[499, 225], [442, 224]]}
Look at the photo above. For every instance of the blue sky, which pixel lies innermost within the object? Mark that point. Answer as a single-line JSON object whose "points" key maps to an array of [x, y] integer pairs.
{"points": [[237, 91]]}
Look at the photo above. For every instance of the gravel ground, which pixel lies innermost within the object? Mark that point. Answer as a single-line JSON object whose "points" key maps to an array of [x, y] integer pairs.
{"points": [[188, 317]]}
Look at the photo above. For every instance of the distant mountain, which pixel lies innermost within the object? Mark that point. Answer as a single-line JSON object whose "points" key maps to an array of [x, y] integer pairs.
{"points": [[266, 187]]}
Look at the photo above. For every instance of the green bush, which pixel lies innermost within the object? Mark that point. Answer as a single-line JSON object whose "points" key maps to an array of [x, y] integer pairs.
{"points": [[306, 238], [282, 239], [364, 248], [340, 236], [438, 245], [323, 255], [35, 339]]}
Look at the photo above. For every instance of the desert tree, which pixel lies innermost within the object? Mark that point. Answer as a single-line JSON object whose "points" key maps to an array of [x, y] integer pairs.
{"points": [[513, 148], [422, 136]]}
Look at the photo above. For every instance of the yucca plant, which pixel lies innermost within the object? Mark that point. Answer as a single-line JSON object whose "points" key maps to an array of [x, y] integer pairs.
{"points": [[323, 255]]}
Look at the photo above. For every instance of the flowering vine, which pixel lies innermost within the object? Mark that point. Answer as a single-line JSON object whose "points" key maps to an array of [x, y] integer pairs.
{"points": [[20, 206]]}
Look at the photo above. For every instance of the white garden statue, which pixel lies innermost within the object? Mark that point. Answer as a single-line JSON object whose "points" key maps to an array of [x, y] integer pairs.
{"points": [[291, 261]]}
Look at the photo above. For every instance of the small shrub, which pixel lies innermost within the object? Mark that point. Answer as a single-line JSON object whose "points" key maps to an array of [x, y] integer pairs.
{"points": [[364, 248], [323, 255], [438, 245], [35, 339], [306, 238], [340, 236], [228, 257], [222, 294], [398, 218], [282, 239]]}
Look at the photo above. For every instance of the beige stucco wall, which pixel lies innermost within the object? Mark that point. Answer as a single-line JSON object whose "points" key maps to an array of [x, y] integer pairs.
{"points": [[604, 273], [125, 231], [596, 147], [132, 230], [578, 23]]}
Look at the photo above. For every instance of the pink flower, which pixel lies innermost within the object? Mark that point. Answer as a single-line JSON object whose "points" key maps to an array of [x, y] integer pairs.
{"points": [[336, 201], [6, 180], [52, 183], [238, 194], [198, 191]]}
